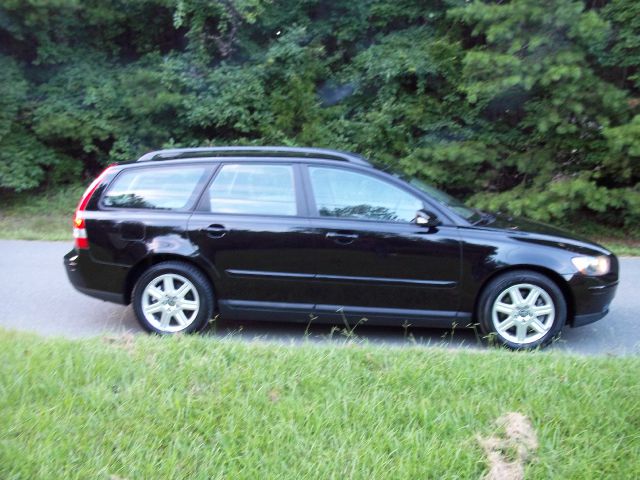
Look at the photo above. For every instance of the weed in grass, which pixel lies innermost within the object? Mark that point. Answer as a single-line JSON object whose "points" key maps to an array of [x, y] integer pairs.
{"points": [[476, 332], [307, 333], [558, 339], [212, 325], [349, 331], [449, 334], [408, 336]]}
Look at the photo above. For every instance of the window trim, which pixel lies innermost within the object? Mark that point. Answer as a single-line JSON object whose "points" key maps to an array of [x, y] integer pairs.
{"points": [[315, 213], [301, 209], [194, 198]]}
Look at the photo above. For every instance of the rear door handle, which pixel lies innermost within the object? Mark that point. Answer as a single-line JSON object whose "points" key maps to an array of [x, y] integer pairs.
{"points": [[216, 230], [342, 238]]}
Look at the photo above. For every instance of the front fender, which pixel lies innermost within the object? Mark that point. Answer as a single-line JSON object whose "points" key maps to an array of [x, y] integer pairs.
{"points": [[486, 253]]}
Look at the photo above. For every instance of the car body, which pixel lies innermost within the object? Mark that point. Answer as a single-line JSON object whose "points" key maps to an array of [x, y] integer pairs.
{"points": [[299, 250]]}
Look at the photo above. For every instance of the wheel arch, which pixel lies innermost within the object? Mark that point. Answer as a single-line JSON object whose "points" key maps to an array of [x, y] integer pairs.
{"points": [[139, 268], [556, 278]]}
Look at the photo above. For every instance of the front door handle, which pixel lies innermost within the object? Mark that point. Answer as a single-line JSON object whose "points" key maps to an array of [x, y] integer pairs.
{"points": [[341, 237], [216, 230]]}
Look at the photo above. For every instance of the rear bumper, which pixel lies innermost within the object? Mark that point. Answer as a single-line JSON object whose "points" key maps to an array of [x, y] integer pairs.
{"points": [[592, 297], [98, 280]]}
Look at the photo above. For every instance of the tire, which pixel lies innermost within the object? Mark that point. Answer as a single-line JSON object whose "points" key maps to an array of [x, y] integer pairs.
{"points": [[173, 297], [522, 310]]}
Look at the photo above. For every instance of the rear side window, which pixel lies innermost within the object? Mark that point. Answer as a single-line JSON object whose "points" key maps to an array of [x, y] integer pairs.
{"points": [[253, 189], [169, 188]]}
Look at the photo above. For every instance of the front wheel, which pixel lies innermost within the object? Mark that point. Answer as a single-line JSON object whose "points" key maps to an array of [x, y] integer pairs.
{"points": [[173, 297], [522, 309]]}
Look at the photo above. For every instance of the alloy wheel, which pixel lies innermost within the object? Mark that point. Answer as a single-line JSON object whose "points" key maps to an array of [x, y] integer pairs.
{"points": [[170, 303], [523, 313]]}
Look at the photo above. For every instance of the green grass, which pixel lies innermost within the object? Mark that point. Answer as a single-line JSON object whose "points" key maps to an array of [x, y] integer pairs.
{"points": [[197, 407], [43, 215], [630, 249]]}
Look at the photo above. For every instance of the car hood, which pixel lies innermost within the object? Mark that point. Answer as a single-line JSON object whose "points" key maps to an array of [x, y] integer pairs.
{"points": [[541, 233]]}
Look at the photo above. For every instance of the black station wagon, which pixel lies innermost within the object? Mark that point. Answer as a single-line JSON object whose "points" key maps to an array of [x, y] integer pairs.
{"points": [[281, 233]]}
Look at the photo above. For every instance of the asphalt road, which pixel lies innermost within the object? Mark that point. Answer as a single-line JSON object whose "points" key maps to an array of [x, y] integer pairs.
{"points": [[37, 297]]}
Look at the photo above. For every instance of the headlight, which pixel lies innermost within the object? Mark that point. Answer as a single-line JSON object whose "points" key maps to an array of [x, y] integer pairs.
{"points": [[592, 265]]}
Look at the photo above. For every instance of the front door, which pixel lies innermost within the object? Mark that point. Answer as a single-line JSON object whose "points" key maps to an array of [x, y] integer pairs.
{"points": [[372, 260]]}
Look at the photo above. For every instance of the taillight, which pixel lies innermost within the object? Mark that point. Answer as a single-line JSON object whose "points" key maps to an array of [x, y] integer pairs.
{"points": [[79, 227]]}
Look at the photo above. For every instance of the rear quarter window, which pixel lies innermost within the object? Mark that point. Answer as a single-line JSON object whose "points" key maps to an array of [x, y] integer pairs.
{"points": [[168, 188]]}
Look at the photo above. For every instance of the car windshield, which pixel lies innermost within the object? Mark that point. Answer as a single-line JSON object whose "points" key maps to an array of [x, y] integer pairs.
{"points": [[444, 199]]}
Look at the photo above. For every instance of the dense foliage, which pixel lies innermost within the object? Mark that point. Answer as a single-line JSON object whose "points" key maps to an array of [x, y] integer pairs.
{"points": [[531, 106]]}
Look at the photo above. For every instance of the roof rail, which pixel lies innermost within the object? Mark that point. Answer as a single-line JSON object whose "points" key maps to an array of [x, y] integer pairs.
{"points": [[320, 153]]}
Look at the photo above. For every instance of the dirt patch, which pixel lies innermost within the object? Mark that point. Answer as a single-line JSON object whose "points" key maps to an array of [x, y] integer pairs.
{"points": [[274, 395], [126, 341], [507, 456]]}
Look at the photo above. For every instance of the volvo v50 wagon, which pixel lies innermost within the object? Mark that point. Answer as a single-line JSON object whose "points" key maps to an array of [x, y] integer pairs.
{"points": [[279, 233]]}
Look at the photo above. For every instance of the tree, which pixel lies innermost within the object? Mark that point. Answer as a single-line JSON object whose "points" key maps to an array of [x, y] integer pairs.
{"points": [[528, 106]]}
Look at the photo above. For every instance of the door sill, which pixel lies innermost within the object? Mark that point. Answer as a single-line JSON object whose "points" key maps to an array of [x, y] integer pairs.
{"points": [[305, 312]]}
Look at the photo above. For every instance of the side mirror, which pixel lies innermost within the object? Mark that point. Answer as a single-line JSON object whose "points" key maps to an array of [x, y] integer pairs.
{"points": [[425, 218]]}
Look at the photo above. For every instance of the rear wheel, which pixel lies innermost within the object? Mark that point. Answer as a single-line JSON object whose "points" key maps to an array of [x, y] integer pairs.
{"points": [[173, 297], [522, 309]]}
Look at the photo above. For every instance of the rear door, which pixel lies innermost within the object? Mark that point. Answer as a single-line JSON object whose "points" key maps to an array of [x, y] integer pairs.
{"points": [[250, 225]]}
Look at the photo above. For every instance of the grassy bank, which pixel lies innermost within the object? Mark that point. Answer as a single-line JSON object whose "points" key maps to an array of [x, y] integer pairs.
{"points": [[621, 242], [47, 216], [194, 407]]}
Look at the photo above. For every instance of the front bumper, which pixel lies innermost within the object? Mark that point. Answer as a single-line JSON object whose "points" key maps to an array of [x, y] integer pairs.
{"points": [[592, 297]]}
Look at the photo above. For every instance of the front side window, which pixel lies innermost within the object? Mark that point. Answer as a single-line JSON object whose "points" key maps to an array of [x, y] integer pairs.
{"points": [[253, 189], [341, 193], [167, 188]]}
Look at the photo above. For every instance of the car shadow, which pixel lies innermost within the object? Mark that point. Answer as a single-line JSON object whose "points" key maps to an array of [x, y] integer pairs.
{"points": [[581, 340], [294, 333]]}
